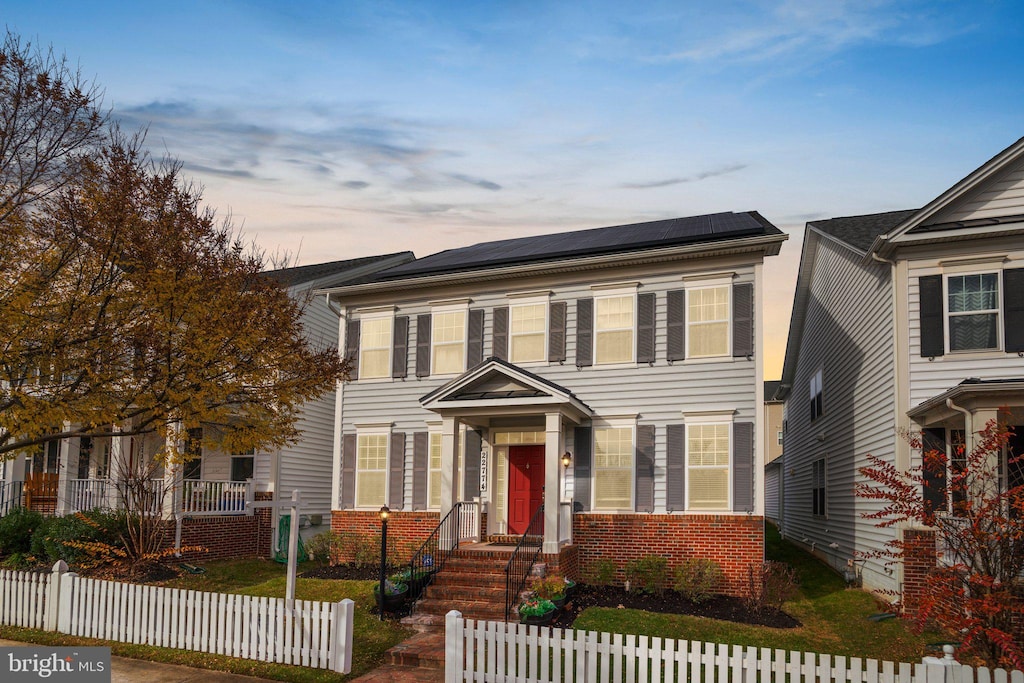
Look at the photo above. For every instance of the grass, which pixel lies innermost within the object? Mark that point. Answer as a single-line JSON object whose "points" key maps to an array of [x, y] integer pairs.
{"points": [[371, 637], [834, 618]]}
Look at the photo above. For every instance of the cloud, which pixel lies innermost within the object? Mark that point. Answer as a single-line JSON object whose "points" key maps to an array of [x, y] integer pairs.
{"points": [[703, 175], [356, 184], [221, 172], [479, 182]]}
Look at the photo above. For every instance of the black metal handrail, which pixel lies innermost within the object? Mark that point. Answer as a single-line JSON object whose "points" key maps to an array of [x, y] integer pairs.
{"points": [[519, 566], [432, 555]]}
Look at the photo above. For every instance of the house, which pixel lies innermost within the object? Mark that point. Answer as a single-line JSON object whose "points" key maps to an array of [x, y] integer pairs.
{"points": [[903, 321], [773, 429], [212, 487], [611, 375]]}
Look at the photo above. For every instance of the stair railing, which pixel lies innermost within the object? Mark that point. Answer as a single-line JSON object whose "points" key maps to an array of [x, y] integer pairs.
{"points": [[433, 553], [525, 555]]}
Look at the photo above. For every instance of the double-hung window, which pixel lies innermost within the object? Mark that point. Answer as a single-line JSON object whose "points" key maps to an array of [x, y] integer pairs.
{"points": [[708, 447], [707, 321], [371, 470], [972, 310], [528, 332], [819, 487], [815, 388], [614, 329], [243, 465], [375, 347], [613, 468], [448, 337]]}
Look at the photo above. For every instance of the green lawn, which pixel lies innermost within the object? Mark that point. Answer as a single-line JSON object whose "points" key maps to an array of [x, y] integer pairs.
{"points": [[371, 637], [834, 618]]}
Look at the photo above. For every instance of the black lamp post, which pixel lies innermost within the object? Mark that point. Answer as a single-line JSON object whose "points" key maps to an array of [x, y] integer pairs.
{"points": [[384, 512]]}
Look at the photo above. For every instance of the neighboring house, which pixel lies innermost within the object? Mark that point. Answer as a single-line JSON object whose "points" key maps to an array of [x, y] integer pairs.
{"points": [[903, 321], [82, 473], [613, 375], [774, 425]]}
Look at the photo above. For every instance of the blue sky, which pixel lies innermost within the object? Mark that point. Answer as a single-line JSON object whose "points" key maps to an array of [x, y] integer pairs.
{"points": [[332, 130]]}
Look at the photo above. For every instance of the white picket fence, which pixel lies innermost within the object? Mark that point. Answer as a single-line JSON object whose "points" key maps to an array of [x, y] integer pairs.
{"points": [[494, 652], [306, 633]]}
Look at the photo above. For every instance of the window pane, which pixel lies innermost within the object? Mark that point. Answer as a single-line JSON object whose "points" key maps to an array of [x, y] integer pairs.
{"points": [[707, 321], [448, 359], [709, 339], [613, 468], [374, 363], [709, 488], [528, 318], [614, 312], [973, 292], [527, 347], [615, 347], [613, 489], [370, 486], [375, 348], [371, 469], [435, 489], [976, 331], [707, 458], [242, 468], [449, 327], [449, 354]]}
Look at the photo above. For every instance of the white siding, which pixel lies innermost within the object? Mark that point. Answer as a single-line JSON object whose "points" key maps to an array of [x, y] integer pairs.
{"points": [[848, 336], [999, 196]]}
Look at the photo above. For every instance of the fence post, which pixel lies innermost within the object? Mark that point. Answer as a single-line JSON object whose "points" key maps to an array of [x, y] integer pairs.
{"points": [[67, 599], [53, 595], [340, 654], [454, 645]]}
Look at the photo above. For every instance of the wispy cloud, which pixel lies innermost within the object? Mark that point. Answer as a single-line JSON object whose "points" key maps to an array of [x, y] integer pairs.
{"points": [[478, 182], [703, 175]]}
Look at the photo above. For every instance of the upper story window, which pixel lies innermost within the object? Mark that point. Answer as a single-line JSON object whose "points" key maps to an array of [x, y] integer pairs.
{"points": [[613, 468], [707, 463], [448, 342], [972, 307], [371, 470], [614, 329], [375, 348], [816, 391], [707, 321], [528, 332]]}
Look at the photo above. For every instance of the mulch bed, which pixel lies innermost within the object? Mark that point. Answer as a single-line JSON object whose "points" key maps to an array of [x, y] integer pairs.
{"points": [[343, 571]]}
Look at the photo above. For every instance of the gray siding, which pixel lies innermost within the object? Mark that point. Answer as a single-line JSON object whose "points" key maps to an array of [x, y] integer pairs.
{"points": [[848, 335]]}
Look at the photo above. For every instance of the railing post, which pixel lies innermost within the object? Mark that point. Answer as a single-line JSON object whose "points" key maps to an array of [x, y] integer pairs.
{"points": [[340, 655], [53, 595], [454, 646], [250, 497]]}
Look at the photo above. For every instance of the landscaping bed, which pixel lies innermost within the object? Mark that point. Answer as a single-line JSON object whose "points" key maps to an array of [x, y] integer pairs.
{"points": [[348, 572]]}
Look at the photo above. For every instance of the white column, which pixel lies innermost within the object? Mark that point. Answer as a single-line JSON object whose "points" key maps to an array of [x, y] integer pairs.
{"points": [[450, 431], [172, 471], [118, 467], [67, 469], [553, 448], [339, 407]]}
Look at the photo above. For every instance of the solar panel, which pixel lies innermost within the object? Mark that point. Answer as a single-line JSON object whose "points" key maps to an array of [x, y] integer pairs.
{"points": [[594, 241]]}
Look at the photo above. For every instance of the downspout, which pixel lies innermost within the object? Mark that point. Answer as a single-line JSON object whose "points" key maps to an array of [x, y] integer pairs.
{"points": [[968, 423]]}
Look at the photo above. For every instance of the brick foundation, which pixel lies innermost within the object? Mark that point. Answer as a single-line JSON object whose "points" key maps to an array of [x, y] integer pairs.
{"points": [[226, 537], [734, 542], [918, 562], [406, 530]]}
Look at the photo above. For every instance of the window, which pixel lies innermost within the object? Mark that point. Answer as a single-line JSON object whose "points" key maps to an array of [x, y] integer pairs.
{"points": [[527, 332], [778, 438], [957, 465], [449, 342], [819, 476], [707, 322], [84, 456], [193, 465], [973, 311], [242, 467], [613, 468], [707, 464], [375, 348], [816, 389], [371, 470], [434, 472], [613, 329]]}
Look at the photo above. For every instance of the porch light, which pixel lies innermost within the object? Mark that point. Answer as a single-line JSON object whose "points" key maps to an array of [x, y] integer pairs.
{"points": [[384, 512], [566, 459]]}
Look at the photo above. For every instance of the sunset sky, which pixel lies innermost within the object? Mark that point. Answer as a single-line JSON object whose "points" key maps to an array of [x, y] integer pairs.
{"points": [[332, 130]]}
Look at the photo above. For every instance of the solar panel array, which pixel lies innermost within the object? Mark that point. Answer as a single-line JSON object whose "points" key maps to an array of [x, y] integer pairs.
{"points": [[612, 239]]}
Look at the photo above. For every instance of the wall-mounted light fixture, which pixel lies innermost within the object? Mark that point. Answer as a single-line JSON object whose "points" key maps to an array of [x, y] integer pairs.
{"points": [[566, 459]]}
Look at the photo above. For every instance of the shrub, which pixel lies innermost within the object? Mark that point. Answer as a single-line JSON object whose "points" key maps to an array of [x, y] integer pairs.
{"points": [[697, 579], [601, 572], [551, 588], [536, 607], [769, 585], [83, 540], [325, 548], [16, 529], [649, 574]]}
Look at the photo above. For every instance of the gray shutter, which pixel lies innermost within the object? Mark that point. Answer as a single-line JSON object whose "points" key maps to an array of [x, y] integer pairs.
{"points": [[583, 457], [743, 320], [556, 332], [645, 327], [584, 332], [352, 347], [423, 345], [934, 439], [1013, 310], [471, 475], [396, 478], [400, 348], [675, 469], [475, 338], [933, 335], [420, 469], [499, 333], [743, 467], [676, 327], [348, 471], [644, 501]]}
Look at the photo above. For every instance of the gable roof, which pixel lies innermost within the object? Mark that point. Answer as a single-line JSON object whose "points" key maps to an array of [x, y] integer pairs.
{"points": [[334, 273], [860, 231]]}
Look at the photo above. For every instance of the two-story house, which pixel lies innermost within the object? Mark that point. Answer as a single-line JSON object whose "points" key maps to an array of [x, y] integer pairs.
{"points": [[612, 375], [903, 321]]}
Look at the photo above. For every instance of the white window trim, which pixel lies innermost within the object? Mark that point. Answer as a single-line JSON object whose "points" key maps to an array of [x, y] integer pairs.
{"points": [[374, 429], [534, 299], [709, 418], [615, 291], [693, 285], [387, 312], [974, 268], [614, 422], [453, 306]]}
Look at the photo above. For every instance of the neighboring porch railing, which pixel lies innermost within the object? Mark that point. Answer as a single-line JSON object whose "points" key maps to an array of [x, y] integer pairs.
{"points": [[435, 551], [525, 555], [10, 496], [469, 521], [205, 497], [88, 494]]}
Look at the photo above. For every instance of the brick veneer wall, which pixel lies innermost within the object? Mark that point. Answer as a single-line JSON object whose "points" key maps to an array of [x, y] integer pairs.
{"points": [[226, 536], [918, 562], [406, 530], [734, 542]]}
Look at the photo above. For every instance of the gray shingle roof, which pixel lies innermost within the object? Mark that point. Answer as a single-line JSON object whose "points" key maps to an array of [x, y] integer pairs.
{"points": [[860, 231], [335, 272]]}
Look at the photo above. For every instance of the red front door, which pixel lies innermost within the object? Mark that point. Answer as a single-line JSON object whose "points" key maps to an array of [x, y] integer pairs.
{"points": [[525, 485]]}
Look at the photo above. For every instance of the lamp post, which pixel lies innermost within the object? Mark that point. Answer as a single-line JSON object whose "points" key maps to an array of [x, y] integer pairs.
{"points": [[384, 512]]}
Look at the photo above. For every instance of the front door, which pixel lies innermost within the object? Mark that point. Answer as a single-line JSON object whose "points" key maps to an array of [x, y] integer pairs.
{"points": [[525, 485]]}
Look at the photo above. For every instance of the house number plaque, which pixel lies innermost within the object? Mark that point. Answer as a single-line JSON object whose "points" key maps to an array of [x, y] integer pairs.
{"points": [[483, 470]]}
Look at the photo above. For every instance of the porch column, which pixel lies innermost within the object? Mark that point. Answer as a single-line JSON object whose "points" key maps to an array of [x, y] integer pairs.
{"points": [[172, 472], [450, 427], [980, 417], [553, 447], [117, 473], [67, 469]]}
